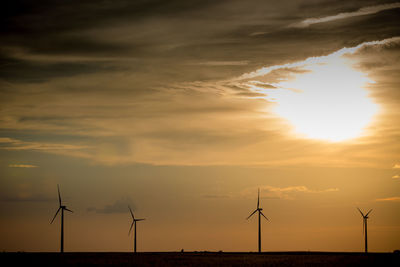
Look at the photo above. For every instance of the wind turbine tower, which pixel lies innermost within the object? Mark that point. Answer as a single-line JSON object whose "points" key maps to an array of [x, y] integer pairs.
{"points": [[134, 230], [365, 218], [259, 210], [62, 208]]}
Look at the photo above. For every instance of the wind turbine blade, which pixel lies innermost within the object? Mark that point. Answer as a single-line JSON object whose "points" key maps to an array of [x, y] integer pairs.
{"points": [[251, 214], [258, 198], [362, 214], [138, 220], [368, 212], [130, 229], [55, 215], [264, 216], [59, 195], [133, 217], [68, 210]]}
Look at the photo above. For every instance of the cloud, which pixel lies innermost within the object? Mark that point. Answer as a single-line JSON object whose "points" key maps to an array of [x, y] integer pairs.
{"points": [[119, 206], [257, 33], [396, 176], [109, 73], [223, 63], [15, 144], [22, 166], [292, 189], [307, 90], [215, 196], [288, 193], [263, 84], [299, 65], [396, 166], [25, 195], [40, 71], [360, 12], [388, 199], [77, 151]]}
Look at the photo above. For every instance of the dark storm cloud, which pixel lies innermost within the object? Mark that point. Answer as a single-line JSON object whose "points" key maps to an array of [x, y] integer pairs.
{"points": [[56, 26], [169, 35], [49, 16]]}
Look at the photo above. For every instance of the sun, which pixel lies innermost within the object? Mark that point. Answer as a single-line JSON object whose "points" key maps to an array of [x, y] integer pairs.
{"points": [[323, 99]]}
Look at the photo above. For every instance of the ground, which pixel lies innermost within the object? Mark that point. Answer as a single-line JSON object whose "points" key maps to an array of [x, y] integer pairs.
{"points": [[202, 259]]}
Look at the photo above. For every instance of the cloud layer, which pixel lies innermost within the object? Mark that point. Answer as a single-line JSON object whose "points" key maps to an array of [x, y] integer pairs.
{"points": [[287, 193], [22, 166], [185, 89], [119, 206], [360, 12]]}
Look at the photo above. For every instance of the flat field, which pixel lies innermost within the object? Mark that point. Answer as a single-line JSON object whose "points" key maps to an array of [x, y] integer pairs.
{"points": [[200, 259]]}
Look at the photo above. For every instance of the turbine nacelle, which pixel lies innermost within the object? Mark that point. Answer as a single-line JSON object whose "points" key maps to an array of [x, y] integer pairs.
{"points": [[366, 215], [258, 209], [133, 220], [61, 207]]}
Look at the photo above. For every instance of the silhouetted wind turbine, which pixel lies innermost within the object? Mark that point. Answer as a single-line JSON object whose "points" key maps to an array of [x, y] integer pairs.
{"points": [[259, 220], [365, 218], [62, 208], [134, 230]]}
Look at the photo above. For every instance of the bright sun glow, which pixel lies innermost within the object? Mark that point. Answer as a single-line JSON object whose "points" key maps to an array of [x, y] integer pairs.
{"points": [[323, 98]]}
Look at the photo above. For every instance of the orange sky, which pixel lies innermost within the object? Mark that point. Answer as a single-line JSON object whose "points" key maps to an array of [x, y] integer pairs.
{"points": [[183, 111]]}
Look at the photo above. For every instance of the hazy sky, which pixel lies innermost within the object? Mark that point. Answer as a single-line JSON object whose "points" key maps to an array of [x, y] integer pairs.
{"points": [[182, 109]]}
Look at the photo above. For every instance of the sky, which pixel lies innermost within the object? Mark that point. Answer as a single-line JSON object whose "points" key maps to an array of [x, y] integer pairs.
{"points": [[183, 109]]}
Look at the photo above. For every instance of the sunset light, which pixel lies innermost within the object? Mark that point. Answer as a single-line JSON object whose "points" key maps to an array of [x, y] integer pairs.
{"points": [[152, 129], [324, 98]]}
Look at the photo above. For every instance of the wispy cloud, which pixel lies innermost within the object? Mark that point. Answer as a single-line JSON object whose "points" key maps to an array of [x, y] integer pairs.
{"points": [[22, 166], [25, 196], [119, 206], [257, 33], [314, 60], [216, 196], [389, 199], [396, 166], [222, 63], [15, 144], [396, 176], [273, 192], [361, 12]]}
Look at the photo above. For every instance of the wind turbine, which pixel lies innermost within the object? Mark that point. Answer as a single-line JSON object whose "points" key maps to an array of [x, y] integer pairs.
{"points": [[130, 229], [62, 208], [365, 218], [259, 220]]}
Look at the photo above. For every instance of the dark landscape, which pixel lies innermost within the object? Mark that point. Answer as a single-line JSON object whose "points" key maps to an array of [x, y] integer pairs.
{"points": [[202, 259]]}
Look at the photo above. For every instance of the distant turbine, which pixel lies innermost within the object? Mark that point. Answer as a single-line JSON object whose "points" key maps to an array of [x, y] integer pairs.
{"points": [[259, 220], [62, 208], [365, 218], [130, 229]]}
